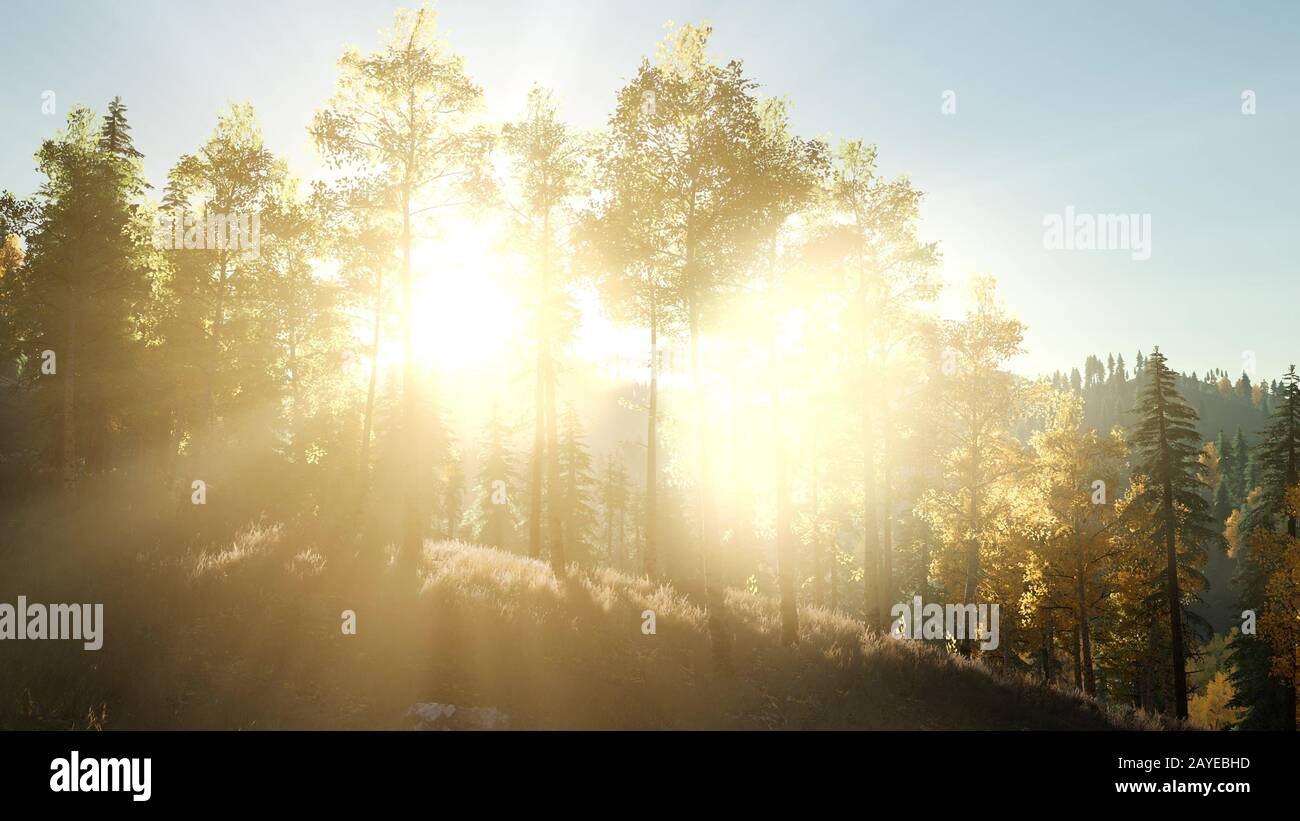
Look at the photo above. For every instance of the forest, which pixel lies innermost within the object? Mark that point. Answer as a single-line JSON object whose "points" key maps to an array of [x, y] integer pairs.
{"points": [[647, 426]]}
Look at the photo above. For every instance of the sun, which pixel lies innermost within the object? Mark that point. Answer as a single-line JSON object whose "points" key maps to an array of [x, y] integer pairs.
{"points": [[465, 313]]}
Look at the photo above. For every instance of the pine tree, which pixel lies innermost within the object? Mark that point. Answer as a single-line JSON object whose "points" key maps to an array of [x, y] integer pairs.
{"points": [[443, 459], [1269, 703], [494, 518], [1223, 506], [1228, 468], [82, 287], [1244, 388], [1167, 444], [576, 492], [616, 501], [1240, 467]]}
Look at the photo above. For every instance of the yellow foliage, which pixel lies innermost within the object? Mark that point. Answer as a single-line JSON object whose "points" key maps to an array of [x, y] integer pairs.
{"points": [[11, 254], [1211, 710], [1232, 532]]}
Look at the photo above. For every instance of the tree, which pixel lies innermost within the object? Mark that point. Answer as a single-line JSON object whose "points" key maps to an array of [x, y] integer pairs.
{"points": [[1166, 443], [215, 288], [617, 501], [494, 518], [364, 245], [574, 494], [792, 169], [1241, 468], [700, 142], [406, 110], [306, 321], [1212, 710], [973, 402], [626, 236], [875, 240], [79, 287], [549, 167], [1228, 471], [1078, 517], [1269, 531]]}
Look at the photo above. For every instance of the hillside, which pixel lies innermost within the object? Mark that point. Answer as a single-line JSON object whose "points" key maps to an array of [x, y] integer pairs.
{"points": [[249, 637]]}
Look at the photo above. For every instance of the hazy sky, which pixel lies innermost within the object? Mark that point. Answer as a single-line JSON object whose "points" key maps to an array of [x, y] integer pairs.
{"points": [[1132, 108]]}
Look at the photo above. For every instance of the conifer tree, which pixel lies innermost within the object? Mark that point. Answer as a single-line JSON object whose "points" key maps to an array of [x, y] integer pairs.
{"points": [[494, 518], [1268, 702], [1228, 467], [1166, 444], [576, 491], [617, 499], [1241, 467]]}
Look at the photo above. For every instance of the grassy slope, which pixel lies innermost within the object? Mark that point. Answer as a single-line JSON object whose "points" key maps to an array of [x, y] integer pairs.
{"points": [[249, 638]]}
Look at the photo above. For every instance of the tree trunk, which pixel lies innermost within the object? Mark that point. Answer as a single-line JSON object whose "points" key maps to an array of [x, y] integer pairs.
{"points": [[651, 453], [295, 398], [368, 425], [1074, 651], [784, 536], [413, 446], [68, 463], [719, 639], [870, 536], [553, 482], [1175, 608], [1047, 651], [967, 646], [1085, 640], [886, 503], [1290, 694], [835, 576], [539, 456], [819, 572], [609, 515], [1145, 672]]}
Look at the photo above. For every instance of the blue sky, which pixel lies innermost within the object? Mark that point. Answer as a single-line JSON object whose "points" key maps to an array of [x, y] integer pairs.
{"points": [[1114, 107]]}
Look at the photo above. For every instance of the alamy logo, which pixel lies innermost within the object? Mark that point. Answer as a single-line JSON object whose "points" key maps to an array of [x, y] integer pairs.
{"points": [[74, 774], [181, 230], [80, 622], [938, 621], [1098, 232]]}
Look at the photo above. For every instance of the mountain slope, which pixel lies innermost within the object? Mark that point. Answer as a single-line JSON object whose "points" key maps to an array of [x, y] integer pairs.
{"points": [[250, 637]]}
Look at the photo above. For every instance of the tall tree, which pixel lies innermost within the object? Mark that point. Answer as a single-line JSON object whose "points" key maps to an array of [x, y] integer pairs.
{"points": [[364, 246], [626, 236], [791, 169], [549, 165], [1078, 515], [1270, 535], [617, 500], [494, 517], [1166, 443], [575, 490], [974, 401], [82, 282], [700, 140], [231, 177], [875, 237], [407, 109]]}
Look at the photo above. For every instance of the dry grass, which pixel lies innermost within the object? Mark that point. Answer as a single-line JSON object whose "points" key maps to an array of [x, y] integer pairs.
{"points": [[247, 635]]}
